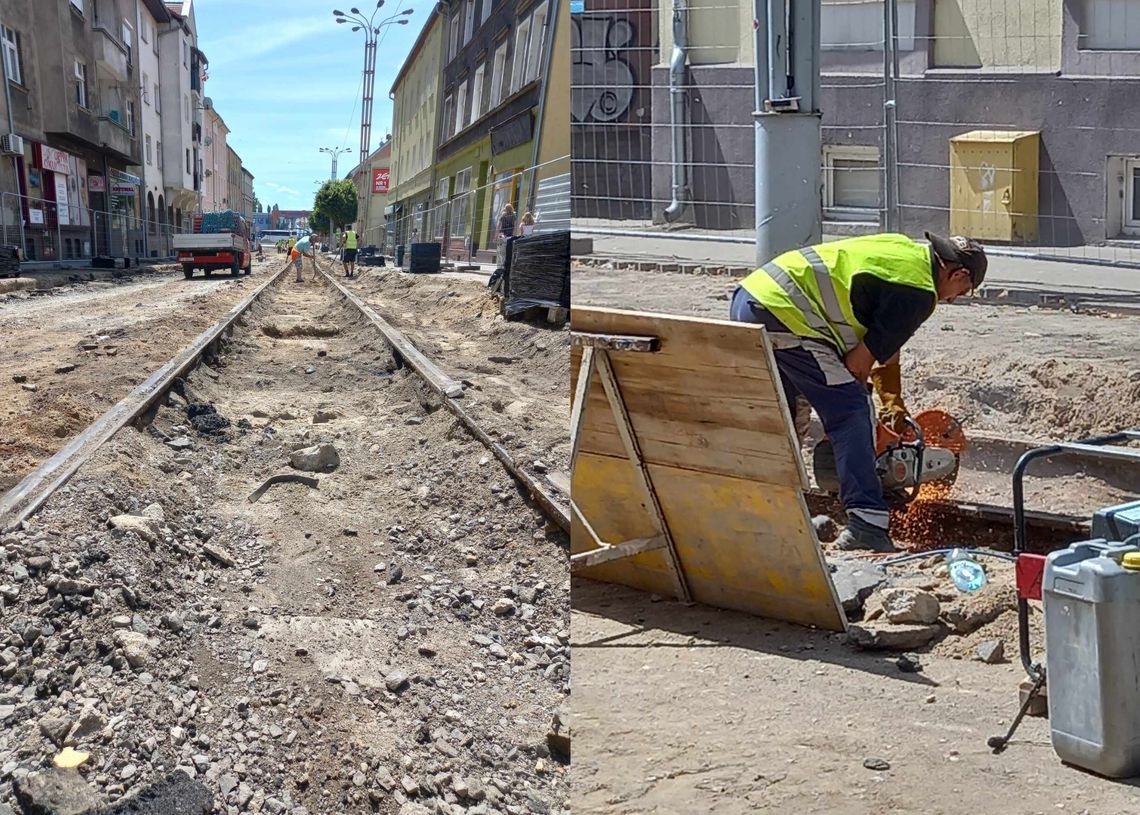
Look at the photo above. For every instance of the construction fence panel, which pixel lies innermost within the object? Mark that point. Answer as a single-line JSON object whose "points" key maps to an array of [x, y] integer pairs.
{"points": [[1009, 120], [468, 221]]}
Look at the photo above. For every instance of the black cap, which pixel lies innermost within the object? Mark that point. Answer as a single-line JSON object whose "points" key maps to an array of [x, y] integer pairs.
{"points": [[963, 251]]}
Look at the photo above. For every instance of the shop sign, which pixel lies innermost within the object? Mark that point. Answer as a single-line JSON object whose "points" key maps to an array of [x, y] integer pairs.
{"points": [[35, 216], [54, 160], [126, 178], [380, 178], [96, 183], [122, 189], [61, 199]]}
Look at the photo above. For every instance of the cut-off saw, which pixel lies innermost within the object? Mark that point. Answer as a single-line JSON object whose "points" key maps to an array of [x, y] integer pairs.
{"points": [[928, 451]]}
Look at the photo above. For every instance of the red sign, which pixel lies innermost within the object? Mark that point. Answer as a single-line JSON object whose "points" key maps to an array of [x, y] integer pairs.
{"points": [[380, 178]]}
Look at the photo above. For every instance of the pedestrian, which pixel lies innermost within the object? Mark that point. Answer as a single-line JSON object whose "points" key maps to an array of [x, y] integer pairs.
{"points": [[526, 225], [297, 255], [832, 312], [507, 221], [348, 243]]}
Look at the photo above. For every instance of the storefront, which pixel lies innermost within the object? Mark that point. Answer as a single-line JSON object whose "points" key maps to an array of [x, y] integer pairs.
{"points": [[54, 204], [459, 200], [512, 151]]}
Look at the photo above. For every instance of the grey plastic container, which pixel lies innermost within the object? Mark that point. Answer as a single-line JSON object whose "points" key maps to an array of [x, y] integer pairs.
{"points": [[1092, 647]]}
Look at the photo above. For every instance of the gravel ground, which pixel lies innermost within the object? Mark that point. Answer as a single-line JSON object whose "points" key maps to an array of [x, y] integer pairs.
{"points": [[72, 354], [394, 640], [518, 373]]}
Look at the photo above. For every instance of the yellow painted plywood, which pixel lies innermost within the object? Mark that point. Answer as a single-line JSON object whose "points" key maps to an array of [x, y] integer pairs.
{"points": [[716, 435]]}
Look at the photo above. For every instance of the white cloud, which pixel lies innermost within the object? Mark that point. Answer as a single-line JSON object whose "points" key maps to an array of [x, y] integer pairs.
{"points": [[281, 188]]}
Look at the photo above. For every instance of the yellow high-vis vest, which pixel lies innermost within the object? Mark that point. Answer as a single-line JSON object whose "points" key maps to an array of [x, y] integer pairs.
{"points": [[350, 239], [809, 290]]}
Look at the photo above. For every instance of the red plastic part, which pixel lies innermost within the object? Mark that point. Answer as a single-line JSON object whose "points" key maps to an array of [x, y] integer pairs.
{"points": [[1030, 571]]}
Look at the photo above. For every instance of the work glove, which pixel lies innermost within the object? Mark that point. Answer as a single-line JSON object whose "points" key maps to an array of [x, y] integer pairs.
{"points": [[887, 381]]}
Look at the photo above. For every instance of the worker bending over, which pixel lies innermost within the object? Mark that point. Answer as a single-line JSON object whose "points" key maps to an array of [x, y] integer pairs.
{"points": [[832, 312], [297, 254]]}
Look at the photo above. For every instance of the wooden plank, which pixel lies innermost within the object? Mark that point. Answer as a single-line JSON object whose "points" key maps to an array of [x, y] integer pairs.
{"points": [[742, 545], [614, 342], [716, 434], [584, 367]]}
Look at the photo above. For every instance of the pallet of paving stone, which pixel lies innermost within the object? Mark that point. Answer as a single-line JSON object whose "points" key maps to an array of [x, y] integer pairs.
{"points": [[684, 453]]}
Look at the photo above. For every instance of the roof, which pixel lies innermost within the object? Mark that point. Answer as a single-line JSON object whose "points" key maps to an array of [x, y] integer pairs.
{"points": [[245, 171], [420, 40], [157, 10]]}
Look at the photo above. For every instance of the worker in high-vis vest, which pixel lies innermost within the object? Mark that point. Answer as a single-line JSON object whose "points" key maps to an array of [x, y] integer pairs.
{"points": [[348, 244], [837, 312]]}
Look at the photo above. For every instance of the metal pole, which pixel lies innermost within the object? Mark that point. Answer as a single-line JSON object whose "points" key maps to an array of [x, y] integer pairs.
{"points": [[788, 142], [760, 55], [890, 209]]}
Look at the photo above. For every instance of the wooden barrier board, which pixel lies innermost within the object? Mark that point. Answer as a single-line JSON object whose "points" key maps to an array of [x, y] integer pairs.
{"points": [[721, 462]]}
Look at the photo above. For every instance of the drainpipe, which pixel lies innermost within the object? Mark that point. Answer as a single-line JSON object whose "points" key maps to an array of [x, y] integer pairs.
{"points": [[548, 58], [679, 109]]}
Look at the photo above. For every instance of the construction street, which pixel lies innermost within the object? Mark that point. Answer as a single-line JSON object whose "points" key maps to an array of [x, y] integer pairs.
{"points": [[384, 626], [766, 716]]}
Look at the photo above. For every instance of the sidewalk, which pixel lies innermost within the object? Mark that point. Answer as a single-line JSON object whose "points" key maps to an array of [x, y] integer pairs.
{"points": [[1078, 273]]}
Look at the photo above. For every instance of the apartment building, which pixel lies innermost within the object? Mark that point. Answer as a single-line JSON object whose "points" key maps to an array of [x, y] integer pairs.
{"points": [[71, 96], [247, 197], [493, 57], [415, 96], [232, 199], [181, 66], [215, 160]]}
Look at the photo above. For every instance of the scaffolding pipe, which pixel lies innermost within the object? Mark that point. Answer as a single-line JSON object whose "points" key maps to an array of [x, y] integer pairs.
{"points": [[679, 110]]}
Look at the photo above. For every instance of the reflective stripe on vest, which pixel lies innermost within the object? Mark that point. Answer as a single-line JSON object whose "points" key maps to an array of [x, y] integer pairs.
{"points": [[799, 299], [831, 305]]}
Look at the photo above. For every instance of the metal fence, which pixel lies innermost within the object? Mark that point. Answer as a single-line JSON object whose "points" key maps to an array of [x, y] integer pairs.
{"points": [[1014, 121], [47, 231], [466, 220]]}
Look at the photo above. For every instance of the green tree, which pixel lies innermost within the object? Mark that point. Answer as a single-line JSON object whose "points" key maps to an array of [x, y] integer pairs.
{"points": [[335, 200]]}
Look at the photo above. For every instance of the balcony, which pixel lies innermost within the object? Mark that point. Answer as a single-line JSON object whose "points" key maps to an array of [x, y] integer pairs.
{"points": [[111, 56], [114, 136]]}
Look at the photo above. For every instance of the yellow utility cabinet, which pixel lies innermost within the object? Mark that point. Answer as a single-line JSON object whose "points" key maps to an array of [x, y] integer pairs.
{"points": [[993, 184]]}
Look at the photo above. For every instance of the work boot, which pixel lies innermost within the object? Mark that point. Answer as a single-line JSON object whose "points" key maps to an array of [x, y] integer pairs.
{"points": [[862, 535]]}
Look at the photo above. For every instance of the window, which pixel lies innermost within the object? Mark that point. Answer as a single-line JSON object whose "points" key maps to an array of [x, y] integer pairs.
{"points": [[851, 181], [157, 100], [847, 26], [148, 155], [448, 103], [468, 21], [13, 59], [144, 32], [186, 105], [145, 88], [498, 70], [80, 84], [460, 106], [485, 12], [128, 34], [158, 149], [535, 49], [518, 64], [461, 203], [131, 117], [1111, 25], [185, 54], [188, 170], [477, 93], [453, 46]]}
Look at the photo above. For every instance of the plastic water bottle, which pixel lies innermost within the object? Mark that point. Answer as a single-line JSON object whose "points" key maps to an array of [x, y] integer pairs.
{"points": [[967, 574]]}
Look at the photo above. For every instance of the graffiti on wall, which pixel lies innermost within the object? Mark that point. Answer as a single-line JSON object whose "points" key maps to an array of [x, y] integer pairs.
{"points": [[602, 81]]}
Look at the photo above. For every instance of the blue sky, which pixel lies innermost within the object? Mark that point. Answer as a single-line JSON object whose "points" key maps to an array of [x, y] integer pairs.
{"points": [[287, 80]]}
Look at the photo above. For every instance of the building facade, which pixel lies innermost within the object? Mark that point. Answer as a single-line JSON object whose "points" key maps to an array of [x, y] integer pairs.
{"points": [[415, 98], [232, 198], [181, 66], [493, 58], [215, 161], [1047, 67], [247, 197], [151, 17], [372, 181], [69, 69]]}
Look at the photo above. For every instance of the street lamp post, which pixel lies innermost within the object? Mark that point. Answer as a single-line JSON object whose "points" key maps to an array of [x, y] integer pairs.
{"points": [[334, 152], [371, 28]]}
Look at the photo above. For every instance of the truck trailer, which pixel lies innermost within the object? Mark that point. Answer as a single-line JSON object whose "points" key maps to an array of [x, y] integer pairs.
{"points": [[220, 240]]}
